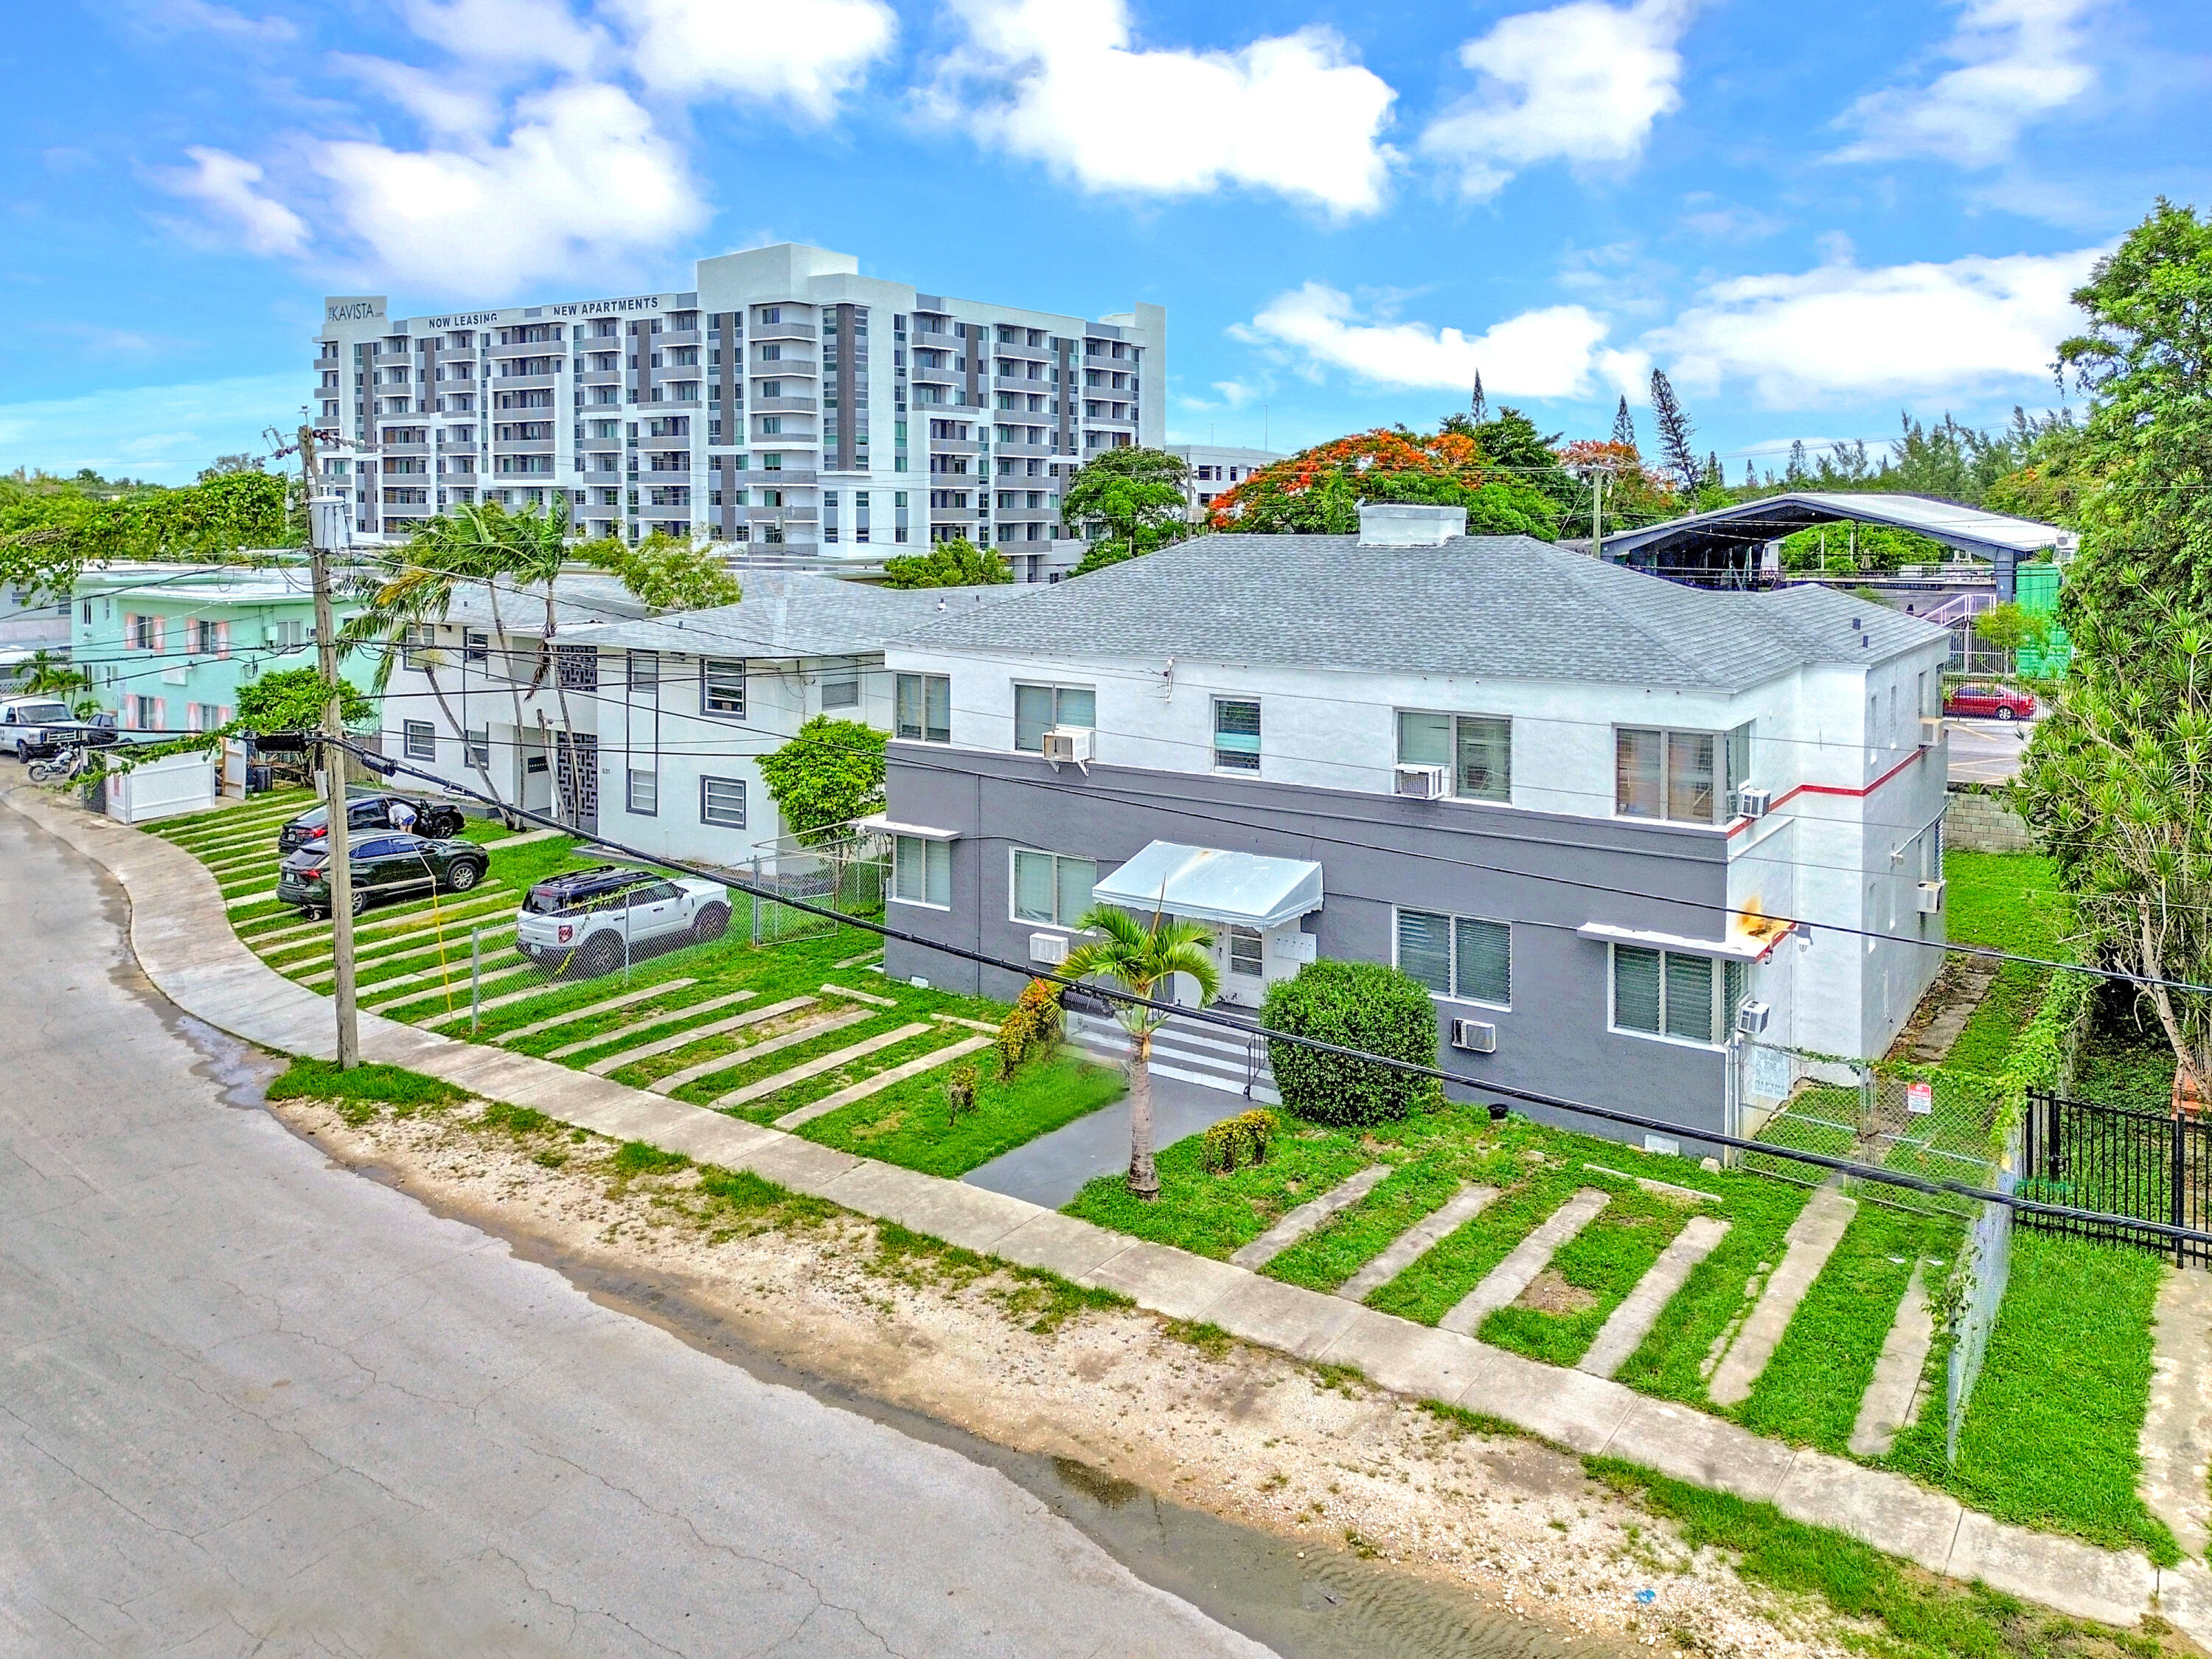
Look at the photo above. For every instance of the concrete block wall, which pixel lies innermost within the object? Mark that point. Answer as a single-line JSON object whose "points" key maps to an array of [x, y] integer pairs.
{"points": [[1977, 823]]}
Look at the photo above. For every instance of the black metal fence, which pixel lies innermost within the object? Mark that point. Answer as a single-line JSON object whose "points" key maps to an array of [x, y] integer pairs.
{"points": [[2150, 1165]]}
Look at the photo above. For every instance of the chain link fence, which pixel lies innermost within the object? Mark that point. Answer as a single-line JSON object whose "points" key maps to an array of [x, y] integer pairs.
{"points": [[1926, 1121]]}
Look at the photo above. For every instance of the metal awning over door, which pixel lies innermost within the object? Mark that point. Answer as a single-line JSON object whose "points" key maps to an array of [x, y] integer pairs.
{"points": [[1208, 884]]}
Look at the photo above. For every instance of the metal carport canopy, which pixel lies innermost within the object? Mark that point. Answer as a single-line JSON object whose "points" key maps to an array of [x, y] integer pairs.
{"points": [[1208, 884], [1997, 537]]}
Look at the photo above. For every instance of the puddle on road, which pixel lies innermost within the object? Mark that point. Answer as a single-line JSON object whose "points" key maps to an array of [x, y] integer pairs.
{"points": [[1318, 1605]]}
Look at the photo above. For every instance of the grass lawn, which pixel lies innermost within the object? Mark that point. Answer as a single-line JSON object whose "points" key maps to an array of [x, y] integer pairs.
{"points": [[2117, 1069], [1809, 1392], [1918, 1614], [1991, 1028], [908, 1123], [2051, 1434], [1599, 1266], [2008, 900]]}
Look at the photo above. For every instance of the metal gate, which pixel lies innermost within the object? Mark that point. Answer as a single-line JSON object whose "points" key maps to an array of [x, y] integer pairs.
{"points": [[578, 762], [2150, 1165]]}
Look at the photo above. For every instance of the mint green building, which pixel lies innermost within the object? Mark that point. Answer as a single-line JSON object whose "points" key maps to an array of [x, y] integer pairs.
{"points": [[168, 646], [2035, 588]]}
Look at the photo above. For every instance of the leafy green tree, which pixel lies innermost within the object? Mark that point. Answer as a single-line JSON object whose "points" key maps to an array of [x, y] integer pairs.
{"points": [[1129, 501], [957, 563], [669, 573], [46, 675], [1851, 547], [831, 773], [2007, 627], [1674, 434], [1143, 958], [51, 530], [293, 700], [2118, 780]]}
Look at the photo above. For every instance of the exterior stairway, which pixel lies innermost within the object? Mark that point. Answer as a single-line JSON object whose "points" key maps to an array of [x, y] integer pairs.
{"points": [[1208, 1055]]}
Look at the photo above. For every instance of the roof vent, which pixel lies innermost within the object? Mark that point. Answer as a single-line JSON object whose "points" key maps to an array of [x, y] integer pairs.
{"points": [[1394, 524]]}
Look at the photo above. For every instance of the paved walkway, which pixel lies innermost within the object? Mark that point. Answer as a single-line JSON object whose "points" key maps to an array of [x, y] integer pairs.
{"points": [[177, 930], [2177, 1433], [1051, 1170]]}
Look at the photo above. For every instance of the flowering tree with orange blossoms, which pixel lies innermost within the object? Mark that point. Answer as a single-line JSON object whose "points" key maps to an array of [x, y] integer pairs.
{"points": [[1634, 494], [1319, 491]]}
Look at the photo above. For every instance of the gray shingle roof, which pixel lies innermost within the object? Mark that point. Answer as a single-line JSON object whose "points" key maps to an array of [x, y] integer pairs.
{"points": [[1506, 607], [794, 614]]}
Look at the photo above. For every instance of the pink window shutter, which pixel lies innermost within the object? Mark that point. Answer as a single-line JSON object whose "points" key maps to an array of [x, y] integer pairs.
{"points": [[130, 629], [130, 714], [158, 631], [160, 704], [222, 638]]}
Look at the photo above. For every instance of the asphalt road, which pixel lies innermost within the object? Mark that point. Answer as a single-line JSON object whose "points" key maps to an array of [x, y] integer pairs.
{"points": [[254, 1404], [1987, 752]]}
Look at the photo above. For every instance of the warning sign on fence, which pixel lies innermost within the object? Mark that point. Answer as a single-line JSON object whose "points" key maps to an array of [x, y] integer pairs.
{"points": [[1919, 1099]]}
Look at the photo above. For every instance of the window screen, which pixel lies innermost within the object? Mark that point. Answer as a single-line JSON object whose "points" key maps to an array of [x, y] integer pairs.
{"points": [[1664, 992], [645, 671], [1038, 708], [1690, 997], [1244, 956], [923, 711], [722, 800], [644, 794], [1485, 758], [1051, 888], [1635, 988], [421, 740]]}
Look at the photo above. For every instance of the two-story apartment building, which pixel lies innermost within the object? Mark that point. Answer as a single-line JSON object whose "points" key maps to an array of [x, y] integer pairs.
{"points": [[168, 646], [1580, 803], [652, 727]]}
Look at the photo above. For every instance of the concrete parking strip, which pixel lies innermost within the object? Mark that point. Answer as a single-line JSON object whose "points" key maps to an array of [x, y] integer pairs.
{"points": [[806, 1031], [1504, 1283], [1296, 1223], [1811, 1240], [1416, 1241], [1887, 1405], [1626, 1327], [591, 1009], [778, 1082], [175, 931], [880, 1081], [668, 1017]]}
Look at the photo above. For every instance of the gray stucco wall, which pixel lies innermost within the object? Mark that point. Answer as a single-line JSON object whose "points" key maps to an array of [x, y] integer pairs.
{"points": [[1541, 871]]}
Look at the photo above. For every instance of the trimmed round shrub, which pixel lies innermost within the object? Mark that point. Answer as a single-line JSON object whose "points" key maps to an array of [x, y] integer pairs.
{"points": [[1360, 1005]]}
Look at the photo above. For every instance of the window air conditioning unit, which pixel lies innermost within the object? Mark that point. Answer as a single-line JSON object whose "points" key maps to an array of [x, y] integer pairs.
{"points": [[1049, 947], [1421, 782], [1754, 803], [1477, 1037], [1751, 1019], [1932, 730], [1931, 897], [1070, 744]]}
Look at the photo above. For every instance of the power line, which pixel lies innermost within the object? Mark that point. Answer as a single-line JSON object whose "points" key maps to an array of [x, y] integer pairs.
{"points": [[1411, 1068]]}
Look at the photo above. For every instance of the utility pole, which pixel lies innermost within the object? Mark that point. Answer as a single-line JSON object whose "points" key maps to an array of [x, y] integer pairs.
{"points": [[1597, 511], [325, 524]]}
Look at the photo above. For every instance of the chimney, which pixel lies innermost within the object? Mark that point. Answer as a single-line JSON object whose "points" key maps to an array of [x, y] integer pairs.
{"points": [[1399, 524]]}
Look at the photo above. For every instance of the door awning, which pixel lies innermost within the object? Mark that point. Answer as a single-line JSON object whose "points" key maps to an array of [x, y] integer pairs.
{"points": [[1737, 947], [1208, 884]]}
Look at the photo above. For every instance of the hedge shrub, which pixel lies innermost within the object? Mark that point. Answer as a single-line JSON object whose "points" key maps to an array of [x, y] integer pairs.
{"points": [[1361, 1004]]}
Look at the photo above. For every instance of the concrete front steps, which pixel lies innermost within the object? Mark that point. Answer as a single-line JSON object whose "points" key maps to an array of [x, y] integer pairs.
{"points": [[1187, 1050], [200, 966]]}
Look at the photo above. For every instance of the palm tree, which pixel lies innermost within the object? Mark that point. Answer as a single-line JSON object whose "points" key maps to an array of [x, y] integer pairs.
{"points": [[46, 675], [1143, 959]]}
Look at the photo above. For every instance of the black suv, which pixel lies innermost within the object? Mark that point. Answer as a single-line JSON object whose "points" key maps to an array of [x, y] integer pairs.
{"points": [[432, 821], [381, 866]]}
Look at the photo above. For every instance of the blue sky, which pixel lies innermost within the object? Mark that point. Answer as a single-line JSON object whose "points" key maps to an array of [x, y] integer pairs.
{"points": [[1812, 216]]}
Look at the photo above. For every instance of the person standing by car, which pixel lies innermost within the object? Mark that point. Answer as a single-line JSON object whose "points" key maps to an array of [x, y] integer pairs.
{"points": [[402, 816]]}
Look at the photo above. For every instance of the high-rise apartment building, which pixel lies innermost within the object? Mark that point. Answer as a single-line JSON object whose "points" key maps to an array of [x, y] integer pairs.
{"points": [[785, 404]]}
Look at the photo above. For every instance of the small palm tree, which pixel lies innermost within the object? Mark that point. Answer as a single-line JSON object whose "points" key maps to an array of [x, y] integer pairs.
{"points": [[46, 675], [1143, 959]]}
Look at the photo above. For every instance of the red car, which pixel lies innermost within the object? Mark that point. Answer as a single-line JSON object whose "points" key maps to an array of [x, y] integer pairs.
{"points": [[1981, 702]]}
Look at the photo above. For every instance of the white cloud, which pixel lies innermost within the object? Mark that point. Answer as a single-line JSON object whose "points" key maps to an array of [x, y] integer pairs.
{"points": [[224, 185], [445, 103], [1060, 80], [514, 35], [1842, 332], [173, 15], [2019, 60], [1582, 82], [582, 182], [808, 53], [1556, 352]]}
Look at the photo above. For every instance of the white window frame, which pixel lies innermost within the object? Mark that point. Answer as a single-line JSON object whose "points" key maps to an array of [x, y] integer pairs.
{"points": [[1724, 1007], [1731, 770], [1452, 765], [708, 667], [1014, 856], [412, 730], [936, 855], [922, 732], [631, 775], [1453, 920], [744, 805], [1058, 691], [1213, 736]]}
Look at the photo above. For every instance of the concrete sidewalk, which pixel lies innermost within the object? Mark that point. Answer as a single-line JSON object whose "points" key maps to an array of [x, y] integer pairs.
{"points": [[184, 942]]}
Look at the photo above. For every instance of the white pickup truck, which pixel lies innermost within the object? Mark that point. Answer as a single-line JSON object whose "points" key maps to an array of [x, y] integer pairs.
{"points": [[587, 922], [32, 726]]}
